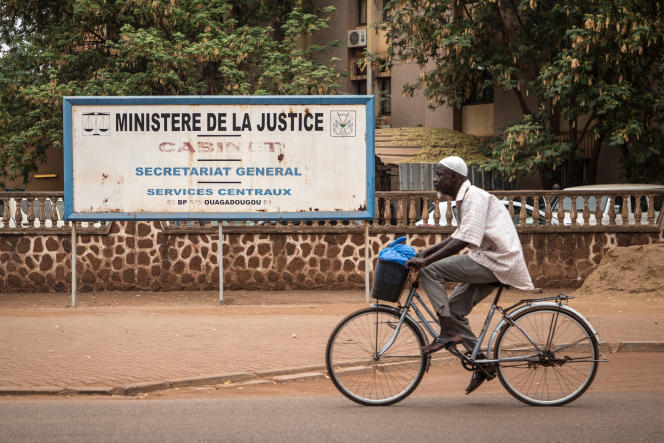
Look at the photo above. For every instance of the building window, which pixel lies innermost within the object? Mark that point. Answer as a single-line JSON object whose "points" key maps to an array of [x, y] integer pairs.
{"points": [[386, 12], [483, 91], [385, 96], [362, 12]]}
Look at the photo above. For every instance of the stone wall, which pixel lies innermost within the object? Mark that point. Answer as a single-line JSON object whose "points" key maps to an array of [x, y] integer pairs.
{"points": [[143, 256]]}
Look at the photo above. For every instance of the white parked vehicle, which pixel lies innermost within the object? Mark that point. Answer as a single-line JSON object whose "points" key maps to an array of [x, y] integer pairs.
{"points": [[605, 202], [516, 205]]}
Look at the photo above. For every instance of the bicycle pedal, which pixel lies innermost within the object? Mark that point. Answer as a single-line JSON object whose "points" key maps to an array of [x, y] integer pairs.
{"points": [[489, 375], [451, 348]]}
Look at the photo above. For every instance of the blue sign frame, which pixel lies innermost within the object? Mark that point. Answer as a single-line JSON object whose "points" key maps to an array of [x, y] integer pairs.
{"points": [[367, 214]]}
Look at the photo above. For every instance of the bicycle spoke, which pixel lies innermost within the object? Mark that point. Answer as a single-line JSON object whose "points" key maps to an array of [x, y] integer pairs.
{"points": [[569, 345], [559, 379]]}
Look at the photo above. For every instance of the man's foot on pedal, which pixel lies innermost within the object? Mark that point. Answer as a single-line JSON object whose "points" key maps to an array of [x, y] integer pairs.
{"points": [[441, 342], [480, 376]]}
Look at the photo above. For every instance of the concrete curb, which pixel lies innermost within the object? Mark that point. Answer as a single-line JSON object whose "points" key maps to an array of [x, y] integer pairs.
{"points": [[641, 346], [607, 348], [264, 377]]}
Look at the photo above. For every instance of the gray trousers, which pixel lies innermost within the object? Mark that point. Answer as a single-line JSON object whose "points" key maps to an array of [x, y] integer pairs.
{"points": [[473, 287]]}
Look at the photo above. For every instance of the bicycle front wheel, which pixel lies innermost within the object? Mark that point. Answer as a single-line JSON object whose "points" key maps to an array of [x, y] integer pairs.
{"points": [[360, 373], [554, 356]]}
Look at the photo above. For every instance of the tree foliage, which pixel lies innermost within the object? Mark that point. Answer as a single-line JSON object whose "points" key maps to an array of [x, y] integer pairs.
{"points": [[55, 48], [591, 69]]}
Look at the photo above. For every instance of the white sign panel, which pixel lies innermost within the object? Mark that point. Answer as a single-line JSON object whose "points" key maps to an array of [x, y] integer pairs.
{"points": [[219, 157]]}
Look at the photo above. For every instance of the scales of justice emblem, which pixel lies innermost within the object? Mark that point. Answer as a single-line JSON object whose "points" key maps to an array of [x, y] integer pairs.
{"points": [[343, 123], [96, 123]]}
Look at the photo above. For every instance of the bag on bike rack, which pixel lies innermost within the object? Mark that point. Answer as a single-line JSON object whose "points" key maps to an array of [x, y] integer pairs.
{"points": [[389, 280], [397, 251], [391, 272]]}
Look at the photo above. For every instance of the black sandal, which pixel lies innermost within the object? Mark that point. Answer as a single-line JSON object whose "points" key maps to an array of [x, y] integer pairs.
{"points": [[440, 343]]}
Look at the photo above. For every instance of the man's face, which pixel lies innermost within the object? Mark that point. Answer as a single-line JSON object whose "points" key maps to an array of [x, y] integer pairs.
{"points": [[443, 180]]}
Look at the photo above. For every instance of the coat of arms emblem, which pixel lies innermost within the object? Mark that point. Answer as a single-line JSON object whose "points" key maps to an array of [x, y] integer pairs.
{"points": [[343, 123]]}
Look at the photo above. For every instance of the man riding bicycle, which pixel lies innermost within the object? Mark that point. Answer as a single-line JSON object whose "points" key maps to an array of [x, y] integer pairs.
{"points": [[485, 227]]}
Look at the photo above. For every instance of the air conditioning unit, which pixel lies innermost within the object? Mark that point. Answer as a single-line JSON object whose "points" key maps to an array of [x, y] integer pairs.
{"points": [[357, 38]]}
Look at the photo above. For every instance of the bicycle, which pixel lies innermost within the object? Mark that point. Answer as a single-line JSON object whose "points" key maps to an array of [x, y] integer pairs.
{"points": [[545, 352]]}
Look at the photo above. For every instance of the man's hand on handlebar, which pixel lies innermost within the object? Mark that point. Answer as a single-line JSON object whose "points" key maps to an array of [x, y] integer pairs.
{"points": [[417, 262]]}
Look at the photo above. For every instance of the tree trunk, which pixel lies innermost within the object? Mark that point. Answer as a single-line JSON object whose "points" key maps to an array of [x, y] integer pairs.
{"points": [[525, 110], [569, 171], [547, 179], [594, 159], [570, 179]]}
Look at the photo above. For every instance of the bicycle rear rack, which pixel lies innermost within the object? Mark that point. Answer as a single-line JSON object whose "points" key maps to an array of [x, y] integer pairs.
{"points": [[560, 298]]}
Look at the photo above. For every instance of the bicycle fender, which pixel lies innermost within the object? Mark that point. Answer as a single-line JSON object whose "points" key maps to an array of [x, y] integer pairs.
{"points": [[380, 305], [537, 304]]}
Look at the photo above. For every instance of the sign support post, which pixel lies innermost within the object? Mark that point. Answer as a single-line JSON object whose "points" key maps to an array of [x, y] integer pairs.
{"points": [[221, 266], [73, 264], [366, 261]]}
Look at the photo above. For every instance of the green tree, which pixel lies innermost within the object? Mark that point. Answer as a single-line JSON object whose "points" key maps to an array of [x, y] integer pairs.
{"points": [[594, 65], [53, 48]]}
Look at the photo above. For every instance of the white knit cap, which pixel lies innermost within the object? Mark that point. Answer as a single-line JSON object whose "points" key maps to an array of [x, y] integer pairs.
{"points": [[456, 164]]}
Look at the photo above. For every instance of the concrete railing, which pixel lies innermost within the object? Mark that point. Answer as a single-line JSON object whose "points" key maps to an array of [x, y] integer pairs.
{"points": [[39, 212], [407, 212], [531, 210]]}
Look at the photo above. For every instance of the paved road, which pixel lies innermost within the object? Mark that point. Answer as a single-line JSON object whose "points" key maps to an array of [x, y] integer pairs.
{"points": [[625, 403], [600, 417]]}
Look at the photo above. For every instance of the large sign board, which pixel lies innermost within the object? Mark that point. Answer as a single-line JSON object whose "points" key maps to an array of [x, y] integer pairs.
{"points": [[219, 158]]}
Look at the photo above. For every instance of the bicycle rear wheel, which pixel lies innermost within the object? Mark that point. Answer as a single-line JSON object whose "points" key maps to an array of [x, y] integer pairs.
{"points": [[357, 371], [559, 368]]}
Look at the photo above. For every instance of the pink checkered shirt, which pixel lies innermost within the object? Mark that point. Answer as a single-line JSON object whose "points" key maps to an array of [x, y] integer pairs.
{"points": [[493, 242]]}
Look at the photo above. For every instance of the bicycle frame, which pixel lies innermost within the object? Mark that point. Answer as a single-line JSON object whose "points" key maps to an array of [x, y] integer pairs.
{"points": [[507, 314]]}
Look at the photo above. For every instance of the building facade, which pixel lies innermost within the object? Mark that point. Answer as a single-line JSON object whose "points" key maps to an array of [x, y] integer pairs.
{"points": [[353, 24]]}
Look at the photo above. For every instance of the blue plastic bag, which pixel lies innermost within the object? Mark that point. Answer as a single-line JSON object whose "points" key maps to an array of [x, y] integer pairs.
{"points": [[398, 252]]}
